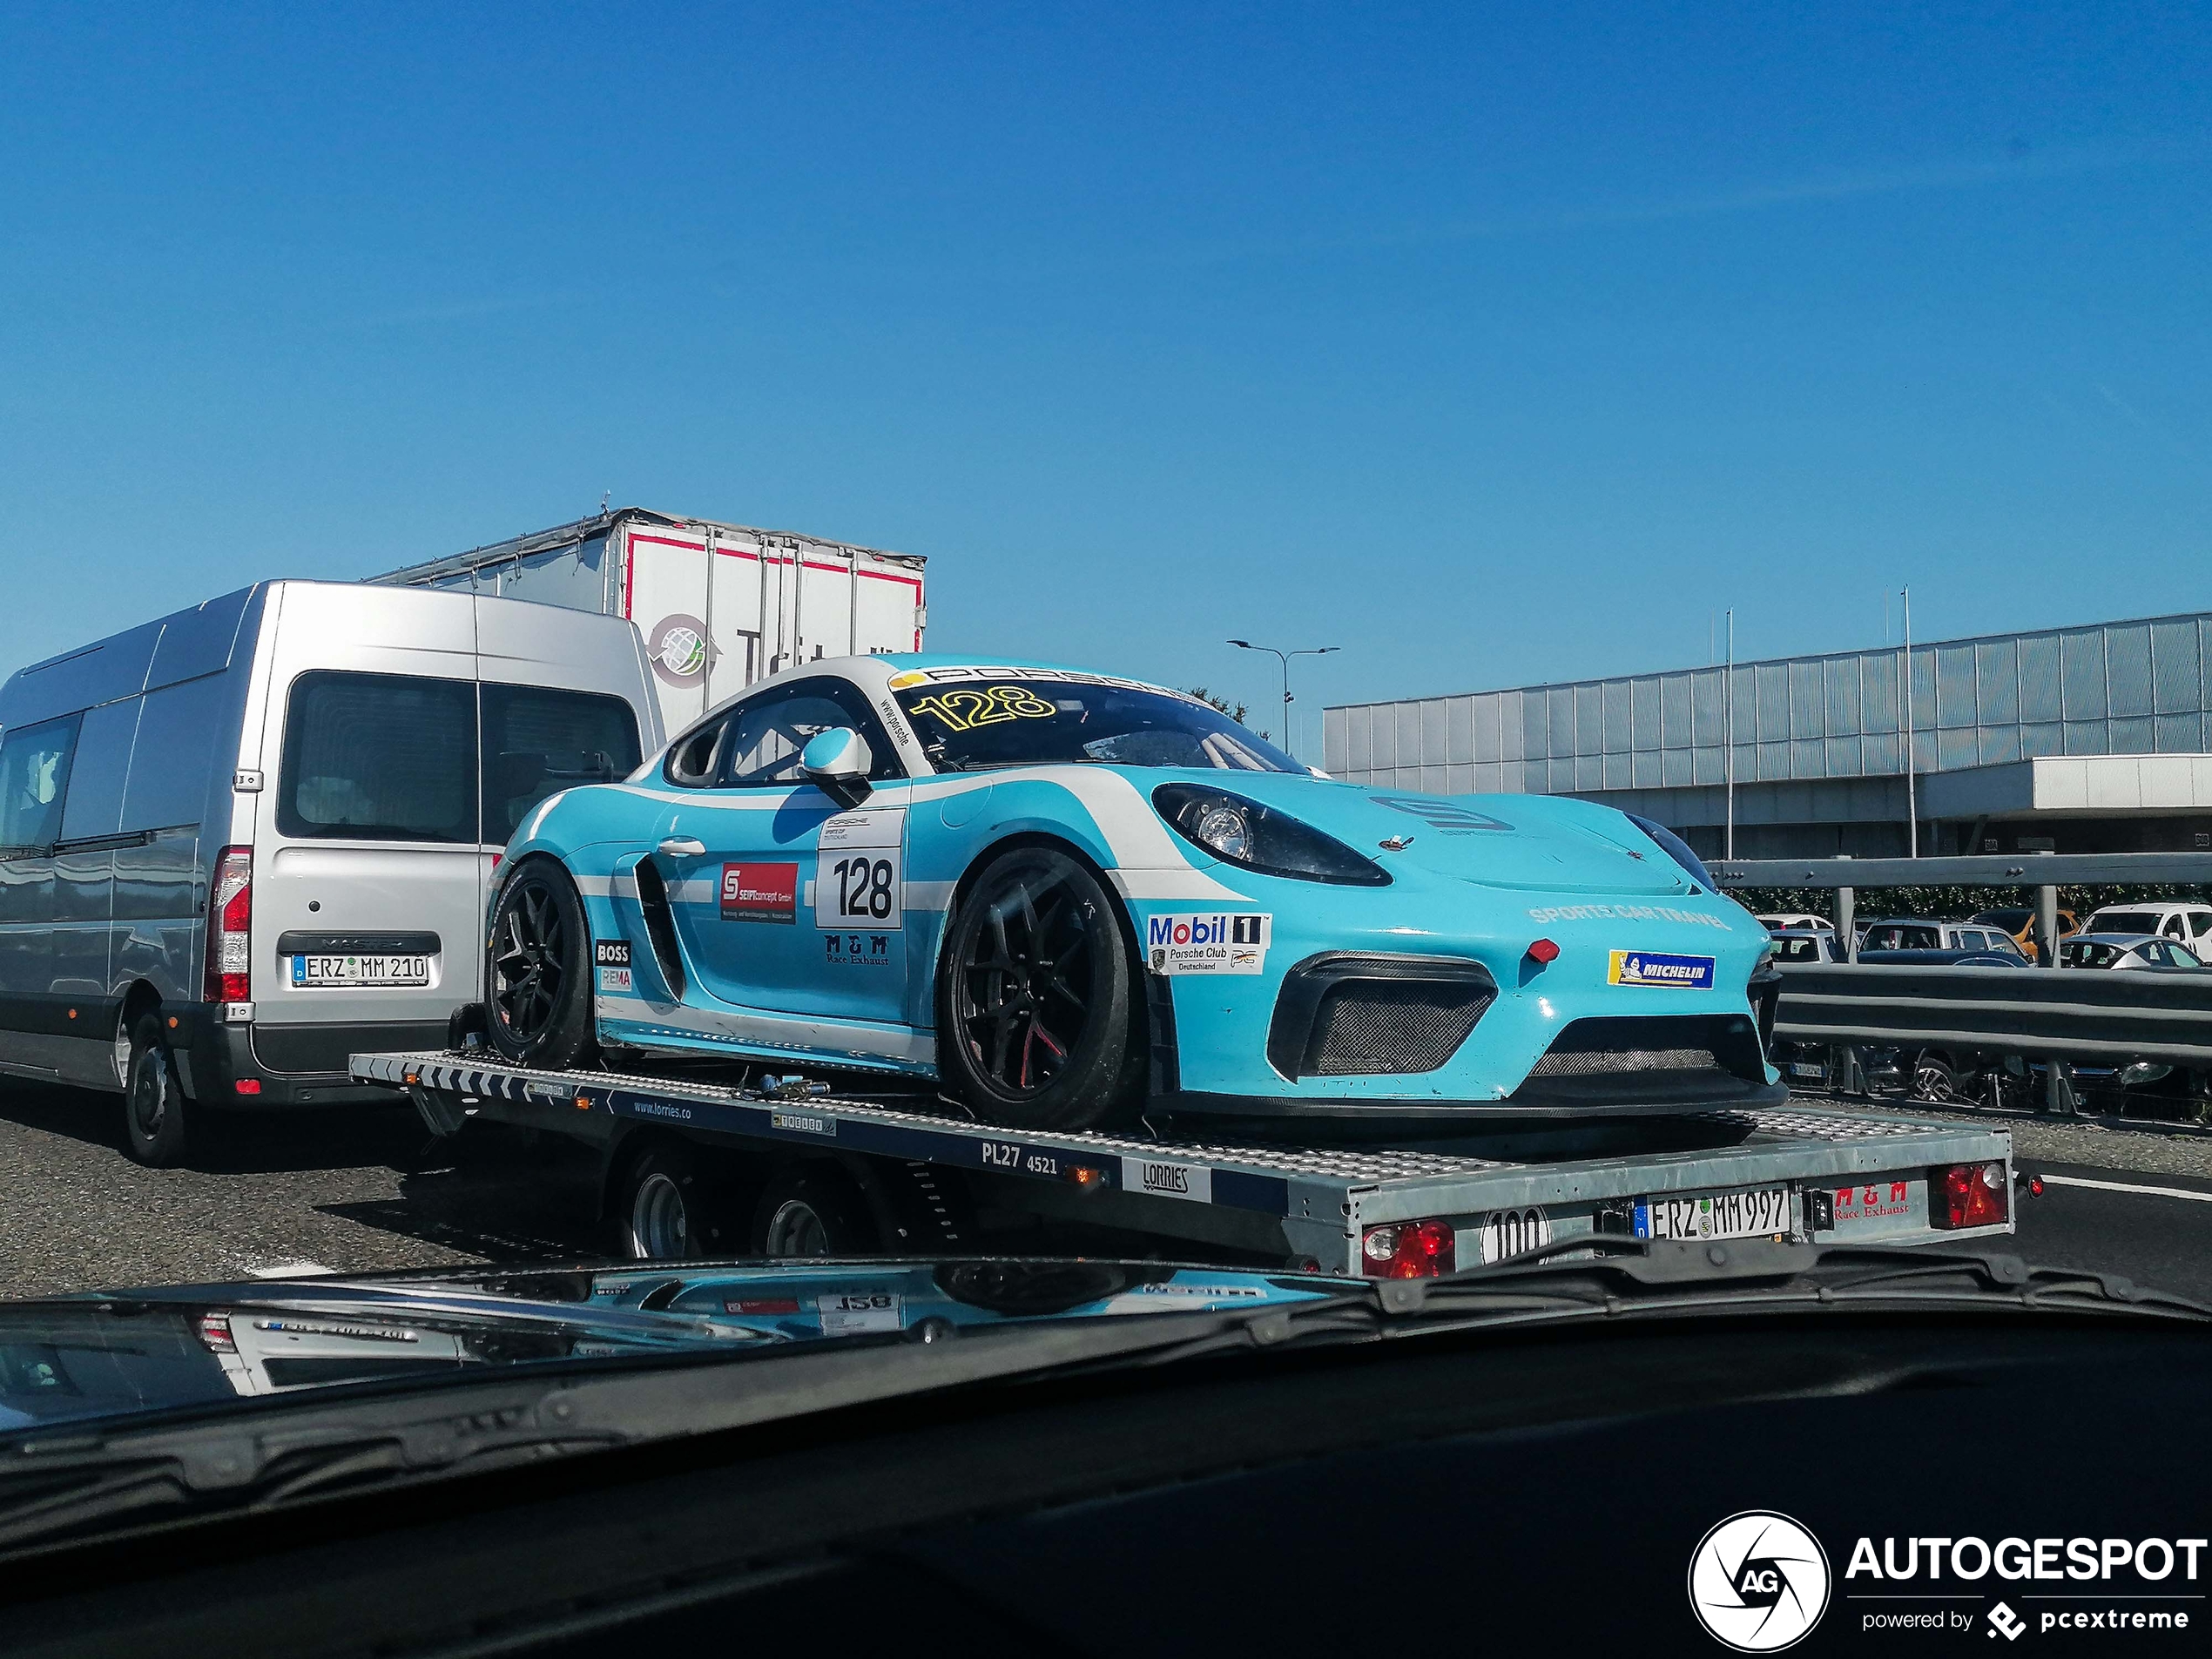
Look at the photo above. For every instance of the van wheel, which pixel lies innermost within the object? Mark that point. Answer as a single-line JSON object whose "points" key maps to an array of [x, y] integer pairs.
{"points": [[809, 1210], [153, 1101], [540, 1013], [1036, 1015]]}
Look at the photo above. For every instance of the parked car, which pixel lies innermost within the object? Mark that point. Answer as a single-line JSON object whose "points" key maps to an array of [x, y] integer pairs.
{"points": [[1795, 921], [244, 842], [1978, 957], [1064, 897], [2018, 920], [1805, 945], [2185, 922], [2124, 951], [1907, 933]]}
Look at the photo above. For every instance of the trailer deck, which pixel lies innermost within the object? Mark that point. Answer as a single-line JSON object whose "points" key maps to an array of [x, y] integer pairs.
{"points": [[1802, 1171]]}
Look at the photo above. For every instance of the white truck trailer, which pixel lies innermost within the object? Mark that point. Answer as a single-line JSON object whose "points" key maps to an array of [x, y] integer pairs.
{"points": [[720, 605]]}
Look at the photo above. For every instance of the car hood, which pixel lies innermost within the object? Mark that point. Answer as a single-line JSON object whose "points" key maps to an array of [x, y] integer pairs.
{"points": [[116, 1355], [1535, 843]]}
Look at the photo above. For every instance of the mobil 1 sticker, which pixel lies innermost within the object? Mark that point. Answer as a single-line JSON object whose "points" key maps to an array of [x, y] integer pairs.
{"points": [[858, 878], [1222, 942]]}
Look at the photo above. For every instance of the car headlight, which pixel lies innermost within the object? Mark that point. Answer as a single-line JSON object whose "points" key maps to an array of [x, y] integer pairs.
{"points": [[1260, 838]]}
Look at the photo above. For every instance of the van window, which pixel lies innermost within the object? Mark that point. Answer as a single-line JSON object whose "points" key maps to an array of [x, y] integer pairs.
{"points": [[538, 741], [34, 776], [379, 756]]}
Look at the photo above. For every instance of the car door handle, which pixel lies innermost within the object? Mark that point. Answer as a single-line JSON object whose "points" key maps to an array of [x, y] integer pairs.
{"points": [[683, 846]]}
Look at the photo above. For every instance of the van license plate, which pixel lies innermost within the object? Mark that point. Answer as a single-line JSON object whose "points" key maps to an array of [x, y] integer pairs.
{"points": [[1752, 1213], [309, 972]]}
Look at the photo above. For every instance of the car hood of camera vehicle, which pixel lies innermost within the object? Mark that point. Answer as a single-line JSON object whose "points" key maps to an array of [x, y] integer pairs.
{"points": [[105, 1357]]}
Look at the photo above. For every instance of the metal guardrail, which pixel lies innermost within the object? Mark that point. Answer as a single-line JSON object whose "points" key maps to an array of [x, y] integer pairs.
{"points": [[1984, 870], [2072, 1014]]}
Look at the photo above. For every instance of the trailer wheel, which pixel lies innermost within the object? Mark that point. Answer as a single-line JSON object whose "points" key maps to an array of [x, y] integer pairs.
{"points": [[669, 1207], [1933, 1080], [1036, 1024], [153, 1101], [540, 1011], [812, 1209]]}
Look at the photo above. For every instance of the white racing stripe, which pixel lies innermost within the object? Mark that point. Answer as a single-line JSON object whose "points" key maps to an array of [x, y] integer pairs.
{"points": [[2123, 1186]]}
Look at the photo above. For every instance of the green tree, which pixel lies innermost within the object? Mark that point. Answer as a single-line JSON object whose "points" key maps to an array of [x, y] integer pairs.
{"points": [[1235, 711]]}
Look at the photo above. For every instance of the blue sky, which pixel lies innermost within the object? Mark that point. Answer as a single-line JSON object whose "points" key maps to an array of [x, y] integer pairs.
{"points": [[1492, 343]]}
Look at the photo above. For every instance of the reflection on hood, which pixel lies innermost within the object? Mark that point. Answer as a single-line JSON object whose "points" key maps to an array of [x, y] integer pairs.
{"points": [[108, 1357]]}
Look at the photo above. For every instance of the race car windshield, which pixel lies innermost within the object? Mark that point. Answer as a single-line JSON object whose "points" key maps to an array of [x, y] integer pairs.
{"points": [[969, 725]]}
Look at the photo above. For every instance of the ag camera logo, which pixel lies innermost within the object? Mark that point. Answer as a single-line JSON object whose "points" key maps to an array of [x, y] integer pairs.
{"points": [[1758, 1582]]}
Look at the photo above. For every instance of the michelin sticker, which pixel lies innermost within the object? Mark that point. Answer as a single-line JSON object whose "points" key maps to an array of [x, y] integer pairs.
{"points": [[611, 956], [1221, 943], [1653, 967]]}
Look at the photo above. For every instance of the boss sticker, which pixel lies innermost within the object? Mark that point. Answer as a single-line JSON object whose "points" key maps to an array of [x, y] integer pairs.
{"points": [[612, 957], [1207, 944]]}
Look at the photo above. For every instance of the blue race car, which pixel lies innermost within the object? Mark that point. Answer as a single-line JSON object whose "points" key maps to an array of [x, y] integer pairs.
{"points": [[1065, 898]]}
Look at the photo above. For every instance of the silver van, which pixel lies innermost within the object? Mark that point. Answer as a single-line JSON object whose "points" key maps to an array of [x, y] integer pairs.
{"points": [[241, 842]]}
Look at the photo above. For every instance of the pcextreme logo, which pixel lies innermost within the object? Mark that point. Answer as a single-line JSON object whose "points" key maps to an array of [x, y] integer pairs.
{"points": [[1758, 1582]]}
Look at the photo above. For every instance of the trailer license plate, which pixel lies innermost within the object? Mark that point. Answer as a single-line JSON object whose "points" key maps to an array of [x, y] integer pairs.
{"points": [[1807, 1069], [314, 971], [1720, 1215]]}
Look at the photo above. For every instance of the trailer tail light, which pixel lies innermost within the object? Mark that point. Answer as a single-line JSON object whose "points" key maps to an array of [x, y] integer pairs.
{"points": [[1966, 1195], [1408, 1250], [230, 925]]}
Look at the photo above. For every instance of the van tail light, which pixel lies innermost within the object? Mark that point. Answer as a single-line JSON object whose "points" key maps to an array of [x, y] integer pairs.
{"points": [[230, 925], [1408, 1250], [215, 1333], [1967, 1195]]}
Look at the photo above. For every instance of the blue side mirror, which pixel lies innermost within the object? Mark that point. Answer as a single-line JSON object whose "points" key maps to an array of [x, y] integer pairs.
{"points": [[837, 762]]}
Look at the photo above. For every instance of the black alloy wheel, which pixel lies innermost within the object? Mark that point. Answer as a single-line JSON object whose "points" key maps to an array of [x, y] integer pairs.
{"points": [[1035, 1021], [540, 1011]]}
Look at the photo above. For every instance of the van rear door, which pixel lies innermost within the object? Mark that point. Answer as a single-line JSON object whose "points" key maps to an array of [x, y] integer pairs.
{"points": [[367, 881]]}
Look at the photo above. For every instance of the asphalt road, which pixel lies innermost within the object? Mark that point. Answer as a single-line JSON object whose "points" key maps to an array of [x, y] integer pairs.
{"points": [[367, 1189]]}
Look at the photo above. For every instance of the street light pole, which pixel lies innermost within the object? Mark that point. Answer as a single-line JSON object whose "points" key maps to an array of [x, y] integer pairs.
{"points": [[1283, 656]]}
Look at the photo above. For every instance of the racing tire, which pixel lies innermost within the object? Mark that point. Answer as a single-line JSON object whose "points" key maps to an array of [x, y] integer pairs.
{"points": [[153, 1100], [537, 971], [809, 1210], [1038, 1006], [1933, 1080], [669, 1206]]}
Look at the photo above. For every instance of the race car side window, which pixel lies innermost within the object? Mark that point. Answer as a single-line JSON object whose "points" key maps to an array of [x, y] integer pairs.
{"points": [[691, 762], [767, 734]]}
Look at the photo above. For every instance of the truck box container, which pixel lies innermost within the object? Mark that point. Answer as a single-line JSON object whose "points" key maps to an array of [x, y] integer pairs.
{"points": [[720, 605]]}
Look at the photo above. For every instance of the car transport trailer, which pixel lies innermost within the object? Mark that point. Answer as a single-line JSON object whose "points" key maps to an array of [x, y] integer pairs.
{"points": [[684, 1164]]}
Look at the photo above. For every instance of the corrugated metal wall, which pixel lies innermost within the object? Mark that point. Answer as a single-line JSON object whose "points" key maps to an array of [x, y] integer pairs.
{"points": [[2116, 688]]}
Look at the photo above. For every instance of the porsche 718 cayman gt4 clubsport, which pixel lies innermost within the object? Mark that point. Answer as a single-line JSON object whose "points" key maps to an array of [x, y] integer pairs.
{"points": [[1065, 898]]}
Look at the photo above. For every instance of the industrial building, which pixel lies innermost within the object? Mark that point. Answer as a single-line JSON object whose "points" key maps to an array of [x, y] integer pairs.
{"points": [[2088, 739]]}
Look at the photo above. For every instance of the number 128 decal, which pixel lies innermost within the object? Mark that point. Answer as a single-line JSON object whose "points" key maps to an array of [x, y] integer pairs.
{"points": [[857, 871]]}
